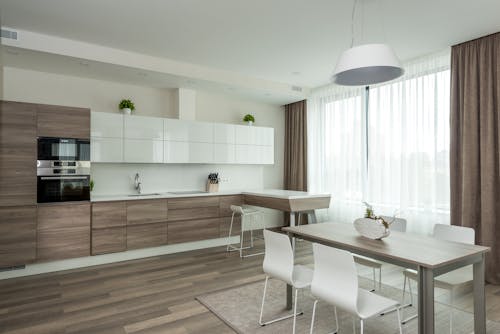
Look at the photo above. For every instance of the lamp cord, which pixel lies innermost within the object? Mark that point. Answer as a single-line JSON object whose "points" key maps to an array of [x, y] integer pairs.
{"points": [[352, 22]]}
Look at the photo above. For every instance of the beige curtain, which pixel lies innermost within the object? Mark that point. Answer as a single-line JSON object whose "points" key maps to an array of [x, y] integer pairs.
{"points": [[475, 143], [296, 146]]}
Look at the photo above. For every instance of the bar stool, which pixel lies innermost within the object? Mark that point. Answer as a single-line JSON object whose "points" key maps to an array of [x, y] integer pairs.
{"points": [[244, 213]]}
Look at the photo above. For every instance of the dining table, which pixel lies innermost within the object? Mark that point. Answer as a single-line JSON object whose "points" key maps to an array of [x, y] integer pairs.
{"points": [[431, 257]]}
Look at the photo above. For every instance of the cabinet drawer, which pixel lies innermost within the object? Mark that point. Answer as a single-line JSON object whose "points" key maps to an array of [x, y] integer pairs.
{"points": [[63, 231], [17, 235], [146, 235], [226, 202], [193, 202], [109, 214], [146, 211], [194, 213], [193, 230], [109, 240]]}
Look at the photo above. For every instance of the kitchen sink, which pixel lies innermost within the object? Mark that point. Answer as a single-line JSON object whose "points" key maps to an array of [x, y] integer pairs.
{"points": [[150, 194], [187, 192]]}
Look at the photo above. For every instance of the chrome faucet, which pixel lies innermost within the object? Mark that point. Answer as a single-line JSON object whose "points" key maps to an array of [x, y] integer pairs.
{"points": [[137, 183]]}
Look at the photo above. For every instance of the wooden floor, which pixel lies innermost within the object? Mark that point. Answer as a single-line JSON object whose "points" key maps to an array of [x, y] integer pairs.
{"points": [[153, 295]]}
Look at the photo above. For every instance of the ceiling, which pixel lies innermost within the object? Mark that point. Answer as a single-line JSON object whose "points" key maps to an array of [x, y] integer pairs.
{"points": [[290, 41]]}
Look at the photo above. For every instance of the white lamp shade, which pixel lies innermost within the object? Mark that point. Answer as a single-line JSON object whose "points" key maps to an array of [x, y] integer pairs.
{"points": [[367, 65]]}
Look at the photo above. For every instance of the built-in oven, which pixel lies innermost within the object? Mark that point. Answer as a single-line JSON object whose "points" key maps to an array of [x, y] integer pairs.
{"points": [[63, 170]]}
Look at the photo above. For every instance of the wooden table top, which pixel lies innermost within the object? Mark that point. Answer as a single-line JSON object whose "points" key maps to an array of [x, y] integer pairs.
{"points": [[416, 249]]}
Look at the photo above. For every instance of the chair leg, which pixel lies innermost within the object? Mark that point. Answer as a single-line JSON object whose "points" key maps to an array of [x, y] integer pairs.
{"points": [[241, 241], [313, 315], [277, 319], [411, 292], [380, 278], [451, 311], [374, 280], [336, 321], [295, 311], [399, 321], [353, 325], [263, 300], [361, 324], [230, 230]]}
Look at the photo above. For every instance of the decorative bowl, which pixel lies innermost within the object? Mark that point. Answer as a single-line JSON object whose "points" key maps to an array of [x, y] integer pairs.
{"points": [[371, 228]]}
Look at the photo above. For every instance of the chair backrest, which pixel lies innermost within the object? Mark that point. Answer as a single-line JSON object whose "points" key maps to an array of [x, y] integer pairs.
{"points": [[237, 209], [462, 234], [335, 278], [278, 258], [399, 224]]}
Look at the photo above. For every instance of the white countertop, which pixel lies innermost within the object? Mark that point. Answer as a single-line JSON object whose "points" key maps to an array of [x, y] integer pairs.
{"points": [[275, 193]]}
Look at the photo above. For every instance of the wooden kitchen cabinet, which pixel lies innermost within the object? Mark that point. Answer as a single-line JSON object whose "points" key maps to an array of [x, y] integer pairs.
{"points": [[109, 232], [63, 231], [226, 202], [188, 208], [225, 224], [146, 211], [65, 122], [193, 230], [17, 235], [146, 235], [17, 153]]}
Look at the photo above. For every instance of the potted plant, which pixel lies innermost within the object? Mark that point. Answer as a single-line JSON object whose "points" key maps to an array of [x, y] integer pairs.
{"points": [[249, 119], [126, 106]]}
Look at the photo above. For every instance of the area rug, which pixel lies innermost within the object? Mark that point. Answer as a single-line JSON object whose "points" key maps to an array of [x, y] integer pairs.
{"points": [[239, 308]]}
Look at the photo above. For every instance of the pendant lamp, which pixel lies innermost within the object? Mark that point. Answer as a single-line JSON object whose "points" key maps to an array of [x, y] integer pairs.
{"points": [[366, 64]]}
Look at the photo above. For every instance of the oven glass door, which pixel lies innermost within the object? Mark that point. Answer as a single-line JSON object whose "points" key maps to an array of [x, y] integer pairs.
{"points": [[63, 149], [63, 188]]}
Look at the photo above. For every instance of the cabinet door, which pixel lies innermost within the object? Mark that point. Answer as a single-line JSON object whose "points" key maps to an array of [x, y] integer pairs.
{"points": [[247, 154], [17, 153], [246, 135], [224, 153], [193, 230], [185, 152], [267, 155], [106, 149], [188, 131], [142, 127], [225, 203], [109, 240], [225, 225], [63, 231], [66, 122], [17, 235], [109, 214], [265, 136], [224, 133], [143, 150], [146, 211], [105, 124], [146, 235]]}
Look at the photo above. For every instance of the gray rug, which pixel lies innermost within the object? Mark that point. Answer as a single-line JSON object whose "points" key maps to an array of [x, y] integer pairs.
{"points": [[239, 308]]}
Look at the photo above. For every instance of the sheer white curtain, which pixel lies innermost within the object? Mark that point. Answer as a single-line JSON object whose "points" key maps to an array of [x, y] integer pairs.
{"points": [[336, 150], [393, 154]]}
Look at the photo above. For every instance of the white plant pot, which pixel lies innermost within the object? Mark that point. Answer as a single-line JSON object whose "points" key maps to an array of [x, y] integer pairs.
{"points": [[371, 228], [126, 111], [250, 123]]}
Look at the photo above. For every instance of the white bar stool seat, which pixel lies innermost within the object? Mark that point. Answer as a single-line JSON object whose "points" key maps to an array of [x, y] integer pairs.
{"points": [[248, 216]]}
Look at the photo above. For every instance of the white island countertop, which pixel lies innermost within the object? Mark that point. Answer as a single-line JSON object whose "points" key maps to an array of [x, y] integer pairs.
{"points": [[275, 193]]}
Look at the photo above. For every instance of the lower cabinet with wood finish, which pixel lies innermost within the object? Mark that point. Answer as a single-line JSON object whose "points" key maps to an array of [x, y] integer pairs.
{"points": [[63, 231], [109, 240], [193, 230], [146, 235], [17, 235], [109, 227]]}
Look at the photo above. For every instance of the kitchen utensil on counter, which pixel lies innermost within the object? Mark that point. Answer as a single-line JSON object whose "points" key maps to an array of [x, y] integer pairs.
{"points": [[213, 182]]}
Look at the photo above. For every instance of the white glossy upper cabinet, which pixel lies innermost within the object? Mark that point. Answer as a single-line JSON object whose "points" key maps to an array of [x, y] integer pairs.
{"points": [[224, 133], [246, 135], [188, 131], [143, 127], [265, 136], [103, 124], [187, 152], [106, 141], [143, 150]]}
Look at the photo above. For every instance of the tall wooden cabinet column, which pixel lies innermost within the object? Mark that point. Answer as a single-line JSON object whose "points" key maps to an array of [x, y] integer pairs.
{"points": [[17, 183]]}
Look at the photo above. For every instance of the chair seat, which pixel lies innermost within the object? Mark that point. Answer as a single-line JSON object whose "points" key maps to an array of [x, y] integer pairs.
{"points": [[302, 276], [448, 281], [249, 210], [370, 304], [366, 261]]}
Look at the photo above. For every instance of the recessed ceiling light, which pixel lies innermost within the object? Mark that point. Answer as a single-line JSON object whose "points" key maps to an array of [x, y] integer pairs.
{"points": [[267, 94], [296, 73]]}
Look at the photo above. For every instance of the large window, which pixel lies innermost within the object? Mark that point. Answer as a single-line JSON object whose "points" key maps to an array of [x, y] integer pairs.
{"points": [[387, 145]]}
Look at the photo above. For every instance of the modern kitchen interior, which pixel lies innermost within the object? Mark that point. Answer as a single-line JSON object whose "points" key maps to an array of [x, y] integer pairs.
{"points": [[222, 167]]}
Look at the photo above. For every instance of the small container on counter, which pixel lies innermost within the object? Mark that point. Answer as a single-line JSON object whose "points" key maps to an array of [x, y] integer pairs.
{"points": [[213, 183]]}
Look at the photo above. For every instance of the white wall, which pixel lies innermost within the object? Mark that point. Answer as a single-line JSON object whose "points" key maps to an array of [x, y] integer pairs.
{"points": [[103, 96]]}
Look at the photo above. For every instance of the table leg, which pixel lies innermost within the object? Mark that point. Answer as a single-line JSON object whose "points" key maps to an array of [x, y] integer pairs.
{"points": [[312, 217], [289, 290], [479, 297], [425, 301]]}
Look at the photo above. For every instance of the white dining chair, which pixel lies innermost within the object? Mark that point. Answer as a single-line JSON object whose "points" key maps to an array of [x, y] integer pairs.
{"points": [[398, 225], [248, 219], [279, 264], [335, 281], [451, 281]]}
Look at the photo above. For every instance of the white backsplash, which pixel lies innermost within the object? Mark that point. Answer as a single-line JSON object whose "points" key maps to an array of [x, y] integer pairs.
{"points": [[113, 179]]}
